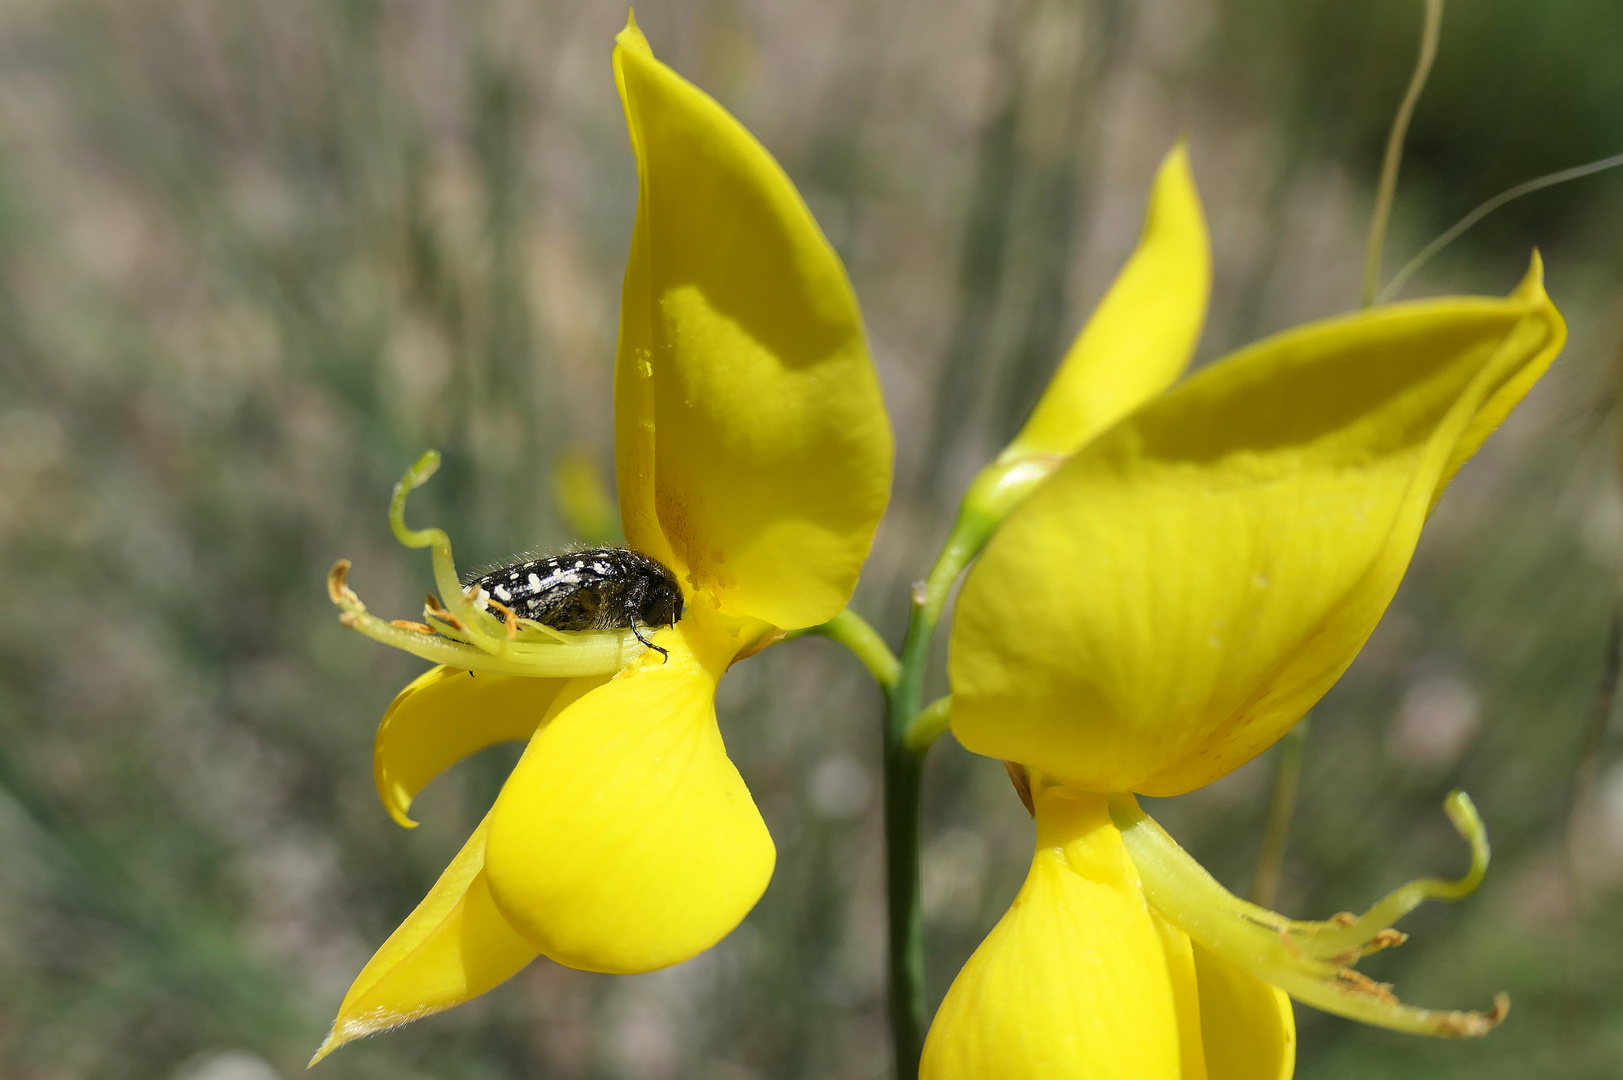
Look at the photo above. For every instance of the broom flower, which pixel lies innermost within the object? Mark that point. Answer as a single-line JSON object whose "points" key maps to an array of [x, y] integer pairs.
{"points": [[753, 460], [1162, 607]]}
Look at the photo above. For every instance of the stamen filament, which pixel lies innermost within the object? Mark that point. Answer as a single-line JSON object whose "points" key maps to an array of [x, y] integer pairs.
{"points": [[1311, 961], [592, 652]]}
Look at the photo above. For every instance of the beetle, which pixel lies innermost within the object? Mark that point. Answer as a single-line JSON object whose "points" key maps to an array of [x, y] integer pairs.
{"points": [[602, 588]]}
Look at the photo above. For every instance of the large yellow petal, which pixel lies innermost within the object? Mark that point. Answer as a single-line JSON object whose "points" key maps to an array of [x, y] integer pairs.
{"points": [[1072, 983], [454, 947], [1143, 333], [625, 839], [753, 454], [447, 714], [1182, 590], [1247, 1026]]}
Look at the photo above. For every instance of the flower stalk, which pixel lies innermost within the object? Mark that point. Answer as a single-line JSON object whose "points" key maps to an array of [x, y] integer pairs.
{"points": [[910, 729]]}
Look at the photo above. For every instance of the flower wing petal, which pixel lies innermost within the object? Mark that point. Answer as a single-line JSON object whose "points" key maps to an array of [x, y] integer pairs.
{"points": [[1143, 333], [1247, 1026], [446, 714], [1182, 590], [625, 840], [753, 453], [1072, 983], [453, 947]]}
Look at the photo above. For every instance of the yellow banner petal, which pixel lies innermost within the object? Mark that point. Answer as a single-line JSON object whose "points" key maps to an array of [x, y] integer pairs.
{"points": [[1143, 333], [753, 454], [1247, 1026], [1182, 590], [1072, 983], [625, 840], [454, 947], [447, 714]]}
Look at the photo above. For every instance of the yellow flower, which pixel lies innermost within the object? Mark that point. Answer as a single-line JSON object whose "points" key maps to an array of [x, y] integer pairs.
{"points": [[753, 460], [1160, 610]]}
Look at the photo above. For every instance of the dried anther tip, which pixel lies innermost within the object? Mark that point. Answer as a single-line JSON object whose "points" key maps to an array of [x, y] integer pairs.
{"points": [[437, 610], [508, 616], [1471, 1025], [1022, 784], [337, 590], [1362, 983]]}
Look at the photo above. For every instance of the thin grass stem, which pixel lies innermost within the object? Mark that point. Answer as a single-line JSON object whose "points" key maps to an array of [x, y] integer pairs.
{"points": [[1455, 231], [1394, 150], [1281, 808]]}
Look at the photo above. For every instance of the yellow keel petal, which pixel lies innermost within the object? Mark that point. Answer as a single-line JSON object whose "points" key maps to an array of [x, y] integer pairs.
{"points": [[625, 840], [446, 714], [453, 947], [1072, 983], [1247, 1026]]}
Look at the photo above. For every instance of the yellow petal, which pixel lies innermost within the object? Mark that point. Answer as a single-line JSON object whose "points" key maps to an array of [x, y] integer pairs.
{"points": [[625, 839], [1180, 954], [1143, 333], [1072, 983], [455, 946], [753, 454], [1247, 1026], [1183, 589], [446, 714]]}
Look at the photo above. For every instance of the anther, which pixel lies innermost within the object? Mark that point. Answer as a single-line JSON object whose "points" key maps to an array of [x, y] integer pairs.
{"points": [[440, 612], [507, 615], [414, 627], [1357, 980], [1022, 784], [337, 590]]}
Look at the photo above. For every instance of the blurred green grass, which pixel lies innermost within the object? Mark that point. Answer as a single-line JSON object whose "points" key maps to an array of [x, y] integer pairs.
{"points": [[255, 257]]}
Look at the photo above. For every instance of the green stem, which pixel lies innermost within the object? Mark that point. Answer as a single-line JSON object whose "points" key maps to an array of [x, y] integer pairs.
{"points": [[853, 631], [909, 732], [1287, 779], [1394, 150]]}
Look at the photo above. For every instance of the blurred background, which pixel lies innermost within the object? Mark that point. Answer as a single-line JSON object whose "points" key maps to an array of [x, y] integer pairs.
{"points": [[256, 256]]}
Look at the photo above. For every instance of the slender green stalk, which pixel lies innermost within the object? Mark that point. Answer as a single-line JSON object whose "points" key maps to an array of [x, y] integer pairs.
{"points": [[1394, 151], [1282, 806], [854, 632], [930, 724], [1455, 231], [910, 729], [904, 776]]}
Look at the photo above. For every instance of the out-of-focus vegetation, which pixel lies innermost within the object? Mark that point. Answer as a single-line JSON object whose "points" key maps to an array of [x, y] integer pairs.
{"points": [[254, 257]]}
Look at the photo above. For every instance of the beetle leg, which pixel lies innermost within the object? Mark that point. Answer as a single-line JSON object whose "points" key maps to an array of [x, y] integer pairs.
{"points": [[638, 634]]}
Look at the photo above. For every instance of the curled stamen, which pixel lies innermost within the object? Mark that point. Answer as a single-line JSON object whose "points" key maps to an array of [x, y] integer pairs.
{"points": [[1311, 961]]}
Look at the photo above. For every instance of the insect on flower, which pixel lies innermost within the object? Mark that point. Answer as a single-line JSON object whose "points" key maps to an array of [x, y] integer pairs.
{"points": [[605, 588], [625, 840]]}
